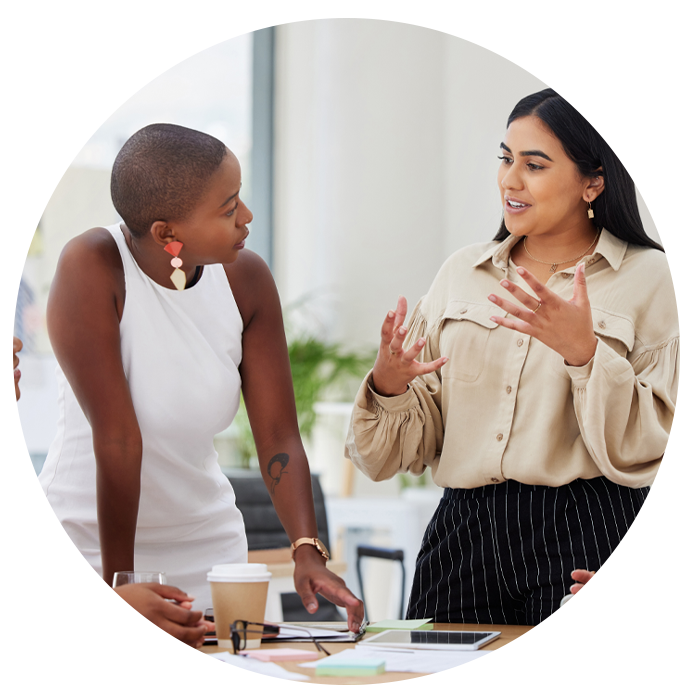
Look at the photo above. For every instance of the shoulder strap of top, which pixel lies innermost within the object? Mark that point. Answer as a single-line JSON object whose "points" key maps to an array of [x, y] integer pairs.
{"points": [[128, 262]]}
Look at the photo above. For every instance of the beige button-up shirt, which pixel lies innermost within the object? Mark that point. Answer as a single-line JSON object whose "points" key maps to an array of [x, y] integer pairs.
{"points": [[506, 406]]}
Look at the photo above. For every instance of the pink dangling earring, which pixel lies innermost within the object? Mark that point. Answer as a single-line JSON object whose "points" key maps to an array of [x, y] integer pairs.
{"points": [[590, 210], [178, 278]]}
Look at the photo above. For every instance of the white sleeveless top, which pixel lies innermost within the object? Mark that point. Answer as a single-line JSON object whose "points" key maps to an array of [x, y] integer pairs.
{"points": [[181, 351]]}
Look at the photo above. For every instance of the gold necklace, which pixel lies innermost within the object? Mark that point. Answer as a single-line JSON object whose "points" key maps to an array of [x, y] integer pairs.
{"points": [[554, 265]]}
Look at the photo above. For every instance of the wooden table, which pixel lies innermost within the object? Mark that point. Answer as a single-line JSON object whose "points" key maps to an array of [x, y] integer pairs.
{"points": [[513, 638]]}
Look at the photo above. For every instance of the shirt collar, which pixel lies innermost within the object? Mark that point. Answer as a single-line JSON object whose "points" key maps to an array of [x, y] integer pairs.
{"points": [[611, 248], [499, 253]]}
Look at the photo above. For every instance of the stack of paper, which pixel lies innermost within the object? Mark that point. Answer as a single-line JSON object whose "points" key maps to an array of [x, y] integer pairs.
{"points": [[408, 661], [299, 633]]}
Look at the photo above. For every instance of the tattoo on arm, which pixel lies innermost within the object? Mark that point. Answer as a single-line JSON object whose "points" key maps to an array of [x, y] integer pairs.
{"points": [[276, 473]]}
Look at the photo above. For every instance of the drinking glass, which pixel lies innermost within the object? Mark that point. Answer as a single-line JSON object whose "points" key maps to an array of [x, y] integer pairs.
{"points": [[123, 577]]}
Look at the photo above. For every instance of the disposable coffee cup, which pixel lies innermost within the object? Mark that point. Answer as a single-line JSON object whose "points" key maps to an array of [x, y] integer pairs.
{"points": [[238, 592]]}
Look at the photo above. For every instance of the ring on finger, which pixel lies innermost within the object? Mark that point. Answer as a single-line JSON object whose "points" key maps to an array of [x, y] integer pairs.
{"points": [[539, 303], [392, 352]]}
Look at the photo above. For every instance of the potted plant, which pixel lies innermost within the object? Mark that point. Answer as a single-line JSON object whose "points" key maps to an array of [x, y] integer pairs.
{"points": [[320, 370]]}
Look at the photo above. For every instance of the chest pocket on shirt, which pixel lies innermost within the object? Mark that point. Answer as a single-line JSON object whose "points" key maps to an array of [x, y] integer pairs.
{"points": [[466, 327], [616, 330]]}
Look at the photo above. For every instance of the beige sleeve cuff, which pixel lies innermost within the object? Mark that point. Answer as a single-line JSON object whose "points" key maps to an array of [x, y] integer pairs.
{"points": [[581, 375], [393, 404]]}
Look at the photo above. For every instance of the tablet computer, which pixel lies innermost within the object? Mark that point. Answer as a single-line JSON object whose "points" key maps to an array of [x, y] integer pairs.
{"points": [[431, 639]]}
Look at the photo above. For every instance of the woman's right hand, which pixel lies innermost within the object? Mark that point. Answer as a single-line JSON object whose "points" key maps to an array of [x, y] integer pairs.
{"points": [[138, 610], [395, 367]]}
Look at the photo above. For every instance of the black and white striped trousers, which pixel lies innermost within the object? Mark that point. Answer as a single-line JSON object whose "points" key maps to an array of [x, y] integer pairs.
{"points": [[504, 554]]}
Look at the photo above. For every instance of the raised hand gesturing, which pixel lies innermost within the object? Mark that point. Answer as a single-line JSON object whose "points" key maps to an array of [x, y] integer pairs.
{"points": [[565, 326], [395, 367]]}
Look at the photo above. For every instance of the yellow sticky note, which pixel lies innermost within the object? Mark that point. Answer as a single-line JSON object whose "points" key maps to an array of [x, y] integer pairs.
{"points": [[648, 675]]}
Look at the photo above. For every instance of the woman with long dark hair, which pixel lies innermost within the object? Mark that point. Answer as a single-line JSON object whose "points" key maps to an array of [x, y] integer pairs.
{"points": [[537, 378]]}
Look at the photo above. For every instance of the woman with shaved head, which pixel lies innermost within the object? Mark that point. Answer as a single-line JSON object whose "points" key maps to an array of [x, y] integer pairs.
{"points": [[159, 323]]}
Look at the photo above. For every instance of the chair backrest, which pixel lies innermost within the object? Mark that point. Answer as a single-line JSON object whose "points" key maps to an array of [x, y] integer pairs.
{"points": [[263, 528], [264, 531]]}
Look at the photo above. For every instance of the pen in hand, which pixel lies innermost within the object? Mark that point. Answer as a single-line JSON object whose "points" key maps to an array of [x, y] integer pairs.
{"points": [[623, 559]]}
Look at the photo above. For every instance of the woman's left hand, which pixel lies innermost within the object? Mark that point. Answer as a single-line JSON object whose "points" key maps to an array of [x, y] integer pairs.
{"points": [[311, 576], [564, 326]]}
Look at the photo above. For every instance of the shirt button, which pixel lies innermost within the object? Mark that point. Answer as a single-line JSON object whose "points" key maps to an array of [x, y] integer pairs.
{"points": [[509, 389], [601, 324], [499, 437], [520, 342], [566, 275], [494, 479]]}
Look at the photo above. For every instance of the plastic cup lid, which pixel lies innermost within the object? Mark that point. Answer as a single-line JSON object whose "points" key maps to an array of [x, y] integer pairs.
{"points": [[223, 573]]}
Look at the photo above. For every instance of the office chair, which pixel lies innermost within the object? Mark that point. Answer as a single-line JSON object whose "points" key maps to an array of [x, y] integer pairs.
{"points": [[264, 531]]}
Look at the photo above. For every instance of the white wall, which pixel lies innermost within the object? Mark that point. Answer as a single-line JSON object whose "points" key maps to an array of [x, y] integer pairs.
{"points": [[374, 145], [387, 133]]}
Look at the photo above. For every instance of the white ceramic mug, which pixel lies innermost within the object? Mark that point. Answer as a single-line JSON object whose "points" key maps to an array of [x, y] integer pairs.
{"points": [[597, 626]]}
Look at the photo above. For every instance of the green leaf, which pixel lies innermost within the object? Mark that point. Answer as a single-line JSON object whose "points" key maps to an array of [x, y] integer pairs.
{"points": [[320, 371]]}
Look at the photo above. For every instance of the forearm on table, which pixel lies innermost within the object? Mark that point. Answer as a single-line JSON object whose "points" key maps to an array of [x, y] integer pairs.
{"points": [[118, 493], [55, 615]]}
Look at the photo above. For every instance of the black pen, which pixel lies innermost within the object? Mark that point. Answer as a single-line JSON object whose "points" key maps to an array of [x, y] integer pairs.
{"points": [[361, 632], [623, 559]]}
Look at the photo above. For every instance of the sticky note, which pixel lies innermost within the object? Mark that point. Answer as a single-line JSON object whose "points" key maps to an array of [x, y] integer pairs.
{"points": [[350, 667], [400, 625], [281, 654], [648, 675]]}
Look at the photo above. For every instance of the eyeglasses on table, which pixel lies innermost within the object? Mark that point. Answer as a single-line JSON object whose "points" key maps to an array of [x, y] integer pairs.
{"points": [[242, 630]]}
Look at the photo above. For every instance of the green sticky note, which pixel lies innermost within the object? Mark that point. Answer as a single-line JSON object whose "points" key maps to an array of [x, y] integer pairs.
{"points": [[350, 667], [400, 625]]}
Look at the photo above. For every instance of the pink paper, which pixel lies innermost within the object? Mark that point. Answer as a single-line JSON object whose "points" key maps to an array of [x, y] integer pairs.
{"points": [[281, 654]]}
